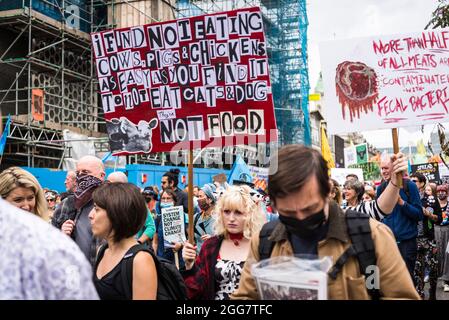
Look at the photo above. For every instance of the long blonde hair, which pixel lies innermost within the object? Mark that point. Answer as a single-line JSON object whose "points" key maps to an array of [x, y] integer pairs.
{"points": [[16, 177], [239, 198]]}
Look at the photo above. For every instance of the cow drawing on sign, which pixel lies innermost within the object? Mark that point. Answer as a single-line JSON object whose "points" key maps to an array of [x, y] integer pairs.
{"points": [[127, 137]]}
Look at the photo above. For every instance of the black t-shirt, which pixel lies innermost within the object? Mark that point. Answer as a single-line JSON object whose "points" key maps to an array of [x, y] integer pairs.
{"points": [[308, 245], [110, 287]]}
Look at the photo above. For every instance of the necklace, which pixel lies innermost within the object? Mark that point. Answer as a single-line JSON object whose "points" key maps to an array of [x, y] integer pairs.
{"points": [[236, 238]]}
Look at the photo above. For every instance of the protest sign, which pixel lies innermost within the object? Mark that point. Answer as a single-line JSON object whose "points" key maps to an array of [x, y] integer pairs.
{"points": [[445, 179], [301, 278], [350, 156], [371, 170], [429, 170], [173, 224], [201, 80], [362, 153], [386, 81], [260, 177]]}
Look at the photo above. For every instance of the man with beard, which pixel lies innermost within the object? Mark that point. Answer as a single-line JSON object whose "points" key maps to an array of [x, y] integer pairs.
{"points": [[89, 175]]}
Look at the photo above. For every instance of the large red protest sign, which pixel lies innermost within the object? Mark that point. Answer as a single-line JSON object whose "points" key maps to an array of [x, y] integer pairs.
{"points": [[386, 81], [201, 80]]}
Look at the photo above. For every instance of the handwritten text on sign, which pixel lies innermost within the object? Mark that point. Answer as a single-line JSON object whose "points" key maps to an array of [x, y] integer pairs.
{"points": [[173, 224], [387, 82], [429, 170], [193, 79]]}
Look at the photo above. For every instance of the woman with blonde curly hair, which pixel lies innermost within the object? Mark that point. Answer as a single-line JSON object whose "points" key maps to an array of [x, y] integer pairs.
{"points": [[21, 189], [215, 273]]}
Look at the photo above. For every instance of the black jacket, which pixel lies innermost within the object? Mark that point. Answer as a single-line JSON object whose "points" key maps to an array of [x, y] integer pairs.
{"points": [[64, 211], [182, 199]]}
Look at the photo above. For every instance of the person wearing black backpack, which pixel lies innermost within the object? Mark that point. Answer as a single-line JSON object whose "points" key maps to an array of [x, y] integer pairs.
{"points": [[367, 262], [119, 212]]}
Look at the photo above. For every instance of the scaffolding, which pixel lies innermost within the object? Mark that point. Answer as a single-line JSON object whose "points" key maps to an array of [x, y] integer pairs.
{"points": [[45, 46], [285, 23]]}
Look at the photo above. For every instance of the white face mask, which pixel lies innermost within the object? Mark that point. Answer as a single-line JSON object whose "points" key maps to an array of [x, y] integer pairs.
{"points": [[167, 204]]}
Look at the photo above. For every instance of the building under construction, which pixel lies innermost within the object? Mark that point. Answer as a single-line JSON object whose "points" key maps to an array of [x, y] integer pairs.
{"points": [[48, 83]]}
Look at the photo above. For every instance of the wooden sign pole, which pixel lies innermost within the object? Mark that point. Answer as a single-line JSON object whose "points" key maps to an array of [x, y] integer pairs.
{"points": [[394, 132], [190, 177]]}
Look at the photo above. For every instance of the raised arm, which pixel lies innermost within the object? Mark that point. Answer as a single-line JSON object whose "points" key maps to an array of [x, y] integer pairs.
{"points": [[389, 197]]}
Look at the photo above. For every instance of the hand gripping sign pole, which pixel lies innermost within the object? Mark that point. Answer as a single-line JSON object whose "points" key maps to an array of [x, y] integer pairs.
{"points": [[394, 132]]}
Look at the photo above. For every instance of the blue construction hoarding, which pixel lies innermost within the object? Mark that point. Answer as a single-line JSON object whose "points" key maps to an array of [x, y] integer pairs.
{"points": [[140, 175]]}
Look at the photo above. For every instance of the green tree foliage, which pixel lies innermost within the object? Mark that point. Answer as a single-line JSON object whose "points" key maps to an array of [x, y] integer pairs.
{"points": [[440, 17]]}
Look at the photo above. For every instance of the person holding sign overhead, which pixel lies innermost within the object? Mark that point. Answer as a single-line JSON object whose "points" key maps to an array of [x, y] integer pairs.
{"points": [[215, 273], [403, 220]]}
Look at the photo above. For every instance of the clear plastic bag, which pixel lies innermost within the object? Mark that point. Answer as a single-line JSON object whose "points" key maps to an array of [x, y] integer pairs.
{"points": [[301, 277]]}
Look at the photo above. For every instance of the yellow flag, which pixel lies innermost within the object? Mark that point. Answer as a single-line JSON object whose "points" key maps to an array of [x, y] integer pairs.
{"points": [[420, 148], [326, 150]]}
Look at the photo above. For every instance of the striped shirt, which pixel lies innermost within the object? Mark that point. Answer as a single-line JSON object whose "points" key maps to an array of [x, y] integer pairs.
{"points": [[370, 208]]}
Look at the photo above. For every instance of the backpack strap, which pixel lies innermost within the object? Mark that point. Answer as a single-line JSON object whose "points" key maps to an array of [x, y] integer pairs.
{"points": [[195, 222], [126, 268], [359, 231], [338, 266], [265, 245]]}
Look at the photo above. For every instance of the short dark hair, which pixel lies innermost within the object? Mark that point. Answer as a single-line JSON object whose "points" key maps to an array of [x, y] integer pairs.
{"points": [[172, 176], [170, 192], [295, 165], [125, 207], [421, 178], [352, 175]]}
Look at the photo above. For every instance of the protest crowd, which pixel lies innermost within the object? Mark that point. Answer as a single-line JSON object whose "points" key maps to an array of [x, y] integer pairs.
{"points": [[113, 232], [202, 83]]}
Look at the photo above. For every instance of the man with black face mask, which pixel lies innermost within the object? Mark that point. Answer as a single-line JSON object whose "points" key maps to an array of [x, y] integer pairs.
{"points": [[309, 223], [89, 176]]}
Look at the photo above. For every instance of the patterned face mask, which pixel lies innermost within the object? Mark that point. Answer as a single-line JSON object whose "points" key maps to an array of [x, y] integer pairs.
{"points": [[85, 185]]}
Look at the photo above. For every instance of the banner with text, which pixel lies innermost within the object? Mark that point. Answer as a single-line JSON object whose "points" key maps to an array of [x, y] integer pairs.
{"points": [[173, 224], [386, 81], [429, 170], [201, 80]]}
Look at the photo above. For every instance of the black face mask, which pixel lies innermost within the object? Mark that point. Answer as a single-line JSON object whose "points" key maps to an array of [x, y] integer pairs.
{"points": [[304, 228]]}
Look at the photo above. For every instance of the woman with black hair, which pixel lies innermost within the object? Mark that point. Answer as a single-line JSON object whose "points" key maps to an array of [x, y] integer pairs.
{"points": [[170, 180], [118, 213]]}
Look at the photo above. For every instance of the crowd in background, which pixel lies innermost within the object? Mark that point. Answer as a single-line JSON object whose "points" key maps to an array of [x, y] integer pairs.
{"points": [[111, 220], [430, 260]]}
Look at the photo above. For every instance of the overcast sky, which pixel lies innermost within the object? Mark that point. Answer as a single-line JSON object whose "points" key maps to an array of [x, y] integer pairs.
{"points": [[343, 19]]}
